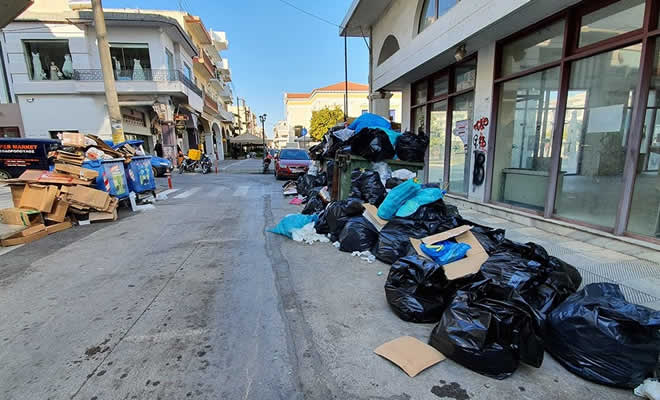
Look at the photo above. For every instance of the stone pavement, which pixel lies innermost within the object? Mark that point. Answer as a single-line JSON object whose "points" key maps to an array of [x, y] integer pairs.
{"points": [[597, 259]]}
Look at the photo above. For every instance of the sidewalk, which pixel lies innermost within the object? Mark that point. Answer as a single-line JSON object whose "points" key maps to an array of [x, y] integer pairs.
{"points": [[638, 278]]}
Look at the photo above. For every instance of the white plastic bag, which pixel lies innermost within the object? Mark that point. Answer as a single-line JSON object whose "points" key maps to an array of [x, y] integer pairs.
{"points": [[650, 389], [308, 235], [384, 171], [403, 174]]}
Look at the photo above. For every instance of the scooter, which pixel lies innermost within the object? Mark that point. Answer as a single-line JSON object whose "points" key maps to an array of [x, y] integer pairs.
{"points": [[189, 165], [266, 164]]}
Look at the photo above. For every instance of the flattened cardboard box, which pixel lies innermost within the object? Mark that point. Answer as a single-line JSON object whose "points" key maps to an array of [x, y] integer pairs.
{"points": [[58, 227], [59, 211], [371, 214], [87, 196], [469, 265], [29, 235], [39, 197], [83, 173], [96, 216], [18, 216], [16, 192], [410, 354]]}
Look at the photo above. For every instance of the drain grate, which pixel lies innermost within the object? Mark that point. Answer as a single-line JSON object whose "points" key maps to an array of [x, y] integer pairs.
{"points": [[624, 270], [631, 295]]}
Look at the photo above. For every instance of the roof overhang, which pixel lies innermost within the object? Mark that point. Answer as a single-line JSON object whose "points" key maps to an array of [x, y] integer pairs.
{"points": [[12, 9], [198, 29], [361, 15], [169, 25]]}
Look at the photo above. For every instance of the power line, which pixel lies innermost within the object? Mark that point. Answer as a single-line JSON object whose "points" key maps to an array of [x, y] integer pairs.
{"points": [[310, 14]]}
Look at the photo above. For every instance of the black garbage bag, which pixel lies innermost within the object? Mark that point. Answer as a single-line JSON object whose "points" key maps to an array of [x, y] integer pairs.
{"points": [[393, 182], [599, 336], [358, 235], [542, 280], [489, 331], [488, 237], [412, 147], [366, 185], [314, 202], [436, 211], [372, 144], [330, 171], [316, 151], [305, 183], [394, 238], [338, 138], [417, 289], [336, 215]]}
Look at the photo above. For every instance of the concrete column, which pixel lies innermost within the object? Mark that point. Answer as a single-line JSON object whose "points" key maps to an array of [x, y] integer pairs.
{"points": [[380, 104]]}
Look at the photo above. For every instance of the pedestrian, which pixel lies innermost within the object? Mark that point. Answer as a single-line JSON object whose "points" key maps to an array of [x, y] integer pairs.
{"points": [[158, 149]]}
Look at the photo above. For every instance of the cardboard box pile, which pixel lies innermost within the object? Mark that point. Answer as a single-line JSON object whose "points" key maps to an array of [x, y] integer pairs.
{"points": [[47, 202]]}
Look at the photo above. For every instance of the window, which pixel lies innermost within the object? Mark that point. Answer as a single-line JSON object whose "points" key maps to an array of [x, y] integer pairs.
{"points": [[390, 46], [538, 48], [392, 115], [48, 60], [440, 86], [187, 72], [432, 10], [131, 61], [438, 127], [459, 167], [525, 125], [421, 92], [613, 20], [169, 58], [466, 75], [4, 87], [364, 111], [9, 132]]}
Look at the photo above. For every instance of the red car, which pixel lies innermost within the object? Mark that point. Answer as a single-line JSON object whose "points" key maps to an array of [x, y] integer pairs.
{"points": [[291, 163]]}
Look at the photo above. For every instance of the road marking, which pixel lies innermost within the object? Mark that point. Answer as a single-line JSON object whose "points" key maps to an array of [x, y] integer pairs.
{"points": [[215, 192], [235, 164], [242, 191], [188, 193], [169, 191]]}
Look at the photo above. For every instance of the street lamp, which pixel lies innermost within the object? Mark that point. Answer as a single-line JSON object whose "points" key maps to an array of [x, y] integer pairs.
{"points": [[262, 118]]}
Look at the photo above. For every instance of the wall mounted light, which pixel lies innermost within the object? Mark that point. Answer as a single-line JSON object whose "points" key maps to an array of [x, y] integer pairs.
{"points": [[461, 52], [30, 99]]}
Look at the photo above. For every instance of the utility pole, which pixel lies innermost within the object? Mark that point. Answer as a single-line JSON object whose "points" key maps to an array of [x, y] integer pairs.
{"points": [[108, 74], [238, 112], [262, 118]]}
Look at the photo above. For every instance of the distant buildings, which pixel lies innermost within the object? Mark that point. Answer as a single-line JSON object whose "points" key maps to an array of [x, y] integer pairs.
{"points": [[172, 82]]}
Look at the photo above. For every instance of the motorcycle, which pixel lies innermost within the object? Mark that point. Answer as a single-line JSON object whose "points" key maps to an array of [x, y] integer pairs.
{"points": [[204, 165], [267, 162]]}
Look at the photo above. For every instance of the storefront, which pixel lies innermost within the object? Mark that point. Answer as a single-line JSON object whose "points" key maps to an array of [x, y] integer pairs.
{"points": [[553, 116]]}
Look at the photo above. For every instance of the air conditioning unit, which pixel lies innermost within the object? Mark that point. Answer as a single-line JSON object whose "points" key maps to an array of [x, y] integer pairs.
{"points": [[80, 4]]}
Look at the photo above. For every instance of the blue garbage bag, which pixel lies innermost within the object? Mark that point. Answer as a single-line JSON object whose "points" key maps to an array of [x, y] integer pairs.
{"points": [[446, 252], [424, 197], [368, 120], [397, 198], [292, 222], [393, 135]]}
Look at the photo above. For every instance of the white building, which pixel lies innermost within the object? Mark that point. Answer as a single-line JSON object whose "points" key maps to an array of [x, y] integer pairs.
{"points": [[280, 135], [54, 75], [542, 107]]}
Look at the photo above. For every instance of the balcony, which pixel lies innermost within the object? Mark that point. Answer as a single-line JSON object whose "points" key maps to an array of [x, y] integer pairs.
{"points": [[226, 116], [210, 103], [223, 68], [147, 75], [219, 40], [203, 64], [226, 94]]}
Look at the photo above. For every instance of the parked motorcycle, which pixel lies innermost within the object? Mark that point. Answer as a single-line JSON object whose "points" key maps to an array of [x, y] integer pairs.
{"points": [[202, 165]]}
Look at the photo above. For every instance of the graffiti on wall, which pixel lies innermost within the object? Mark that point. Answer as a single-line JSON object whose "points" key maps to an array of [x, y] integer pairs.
{"points": [[480, 146]]}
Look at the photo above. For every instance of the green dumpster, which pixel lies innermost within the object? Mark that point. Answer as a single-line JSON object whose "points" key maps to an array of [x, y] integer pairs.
{"points": [[346, 163]]}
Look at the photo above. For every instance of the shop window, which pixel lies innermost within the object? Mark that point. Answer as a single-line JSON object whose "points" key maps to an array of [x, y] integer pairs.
{"points": [[538, 48], [9, 132], [130, 61], [390, 46], [645, 208], [432, 10], [48, 60], [597, 121], [525, 124], [440, 86], [459, 161], [466, 75], [438, 129], [421, 92], [613, 20]]}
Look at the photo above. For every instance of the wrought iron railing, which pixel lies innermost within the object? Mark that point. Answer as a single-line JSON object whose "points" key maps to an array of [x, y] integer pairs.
{"points": [[145, 74]]}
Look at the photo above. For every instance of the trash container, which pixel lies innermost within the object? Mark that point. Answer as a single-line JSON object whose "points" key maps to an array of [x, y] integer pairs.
{"points": [[139, 175], [112, 177], [346, 163]]}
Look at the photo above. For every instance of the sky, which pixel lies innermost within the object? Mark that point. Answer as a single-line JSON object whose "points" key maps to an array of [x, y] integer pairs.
{"points": [[274, 48]]}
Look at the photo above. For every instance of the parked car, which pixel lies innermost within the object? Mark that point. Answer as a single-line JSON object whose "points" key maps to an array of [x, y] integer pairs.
{"points": [[20, 154], [290, 163], [159, 165]]}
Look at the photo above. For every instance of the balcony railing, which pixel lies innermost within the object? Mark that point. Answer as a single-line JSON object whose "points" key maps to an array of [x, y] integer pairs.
{"points": [[210, 102], [146, 74]]}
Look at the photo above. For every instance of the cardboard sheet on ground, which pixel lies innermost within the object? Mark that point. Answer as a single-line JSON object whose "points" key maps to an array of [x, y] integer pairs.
{"points": [[38, 197], [22, 217], [50, 229], [371, 214], [26, 236], [469, 265], [410, 354]]}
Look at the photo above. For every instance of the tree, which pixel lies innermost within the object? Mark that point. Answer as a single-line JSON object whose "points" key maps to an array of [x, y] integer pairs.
{"points": [[323, 120]]}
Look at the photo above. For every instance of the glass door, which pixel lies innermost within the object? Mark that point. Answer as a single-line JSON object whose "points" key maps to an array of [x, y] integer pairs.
{"points": [[438, 129], [459, 165]]}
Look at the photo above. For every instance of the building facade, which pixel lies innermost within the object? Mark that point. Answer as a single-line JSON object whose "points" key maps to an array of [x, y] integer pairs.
{"points": [[54, 81], [299, 106], [544, 107], [280, 135]]}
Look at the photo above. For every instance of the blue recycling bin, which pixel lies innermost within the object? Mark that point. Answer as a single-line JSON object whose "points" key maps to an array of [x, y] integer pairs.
{"points": [[140, 175], [112, 177]]}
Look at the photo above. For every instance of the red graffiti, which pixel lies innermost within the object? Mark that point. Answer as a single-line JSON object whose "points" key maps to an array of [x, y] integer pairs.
{"points": [[481, 124]]}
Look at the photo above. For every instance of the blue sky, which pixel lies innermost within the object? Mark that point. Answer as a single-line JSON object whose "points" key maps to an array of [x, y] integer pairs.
{"points": [[274, 48]]}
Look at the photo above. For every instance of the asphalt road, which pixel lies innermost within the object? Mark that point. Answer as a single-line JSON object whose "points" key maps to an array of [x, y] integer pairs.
{"points": [[194, 300]]}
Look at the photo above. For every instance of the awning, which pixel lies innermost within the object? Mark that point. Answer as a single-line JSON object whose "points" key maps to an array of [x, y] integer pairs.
{"points": [[246, 138]]}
